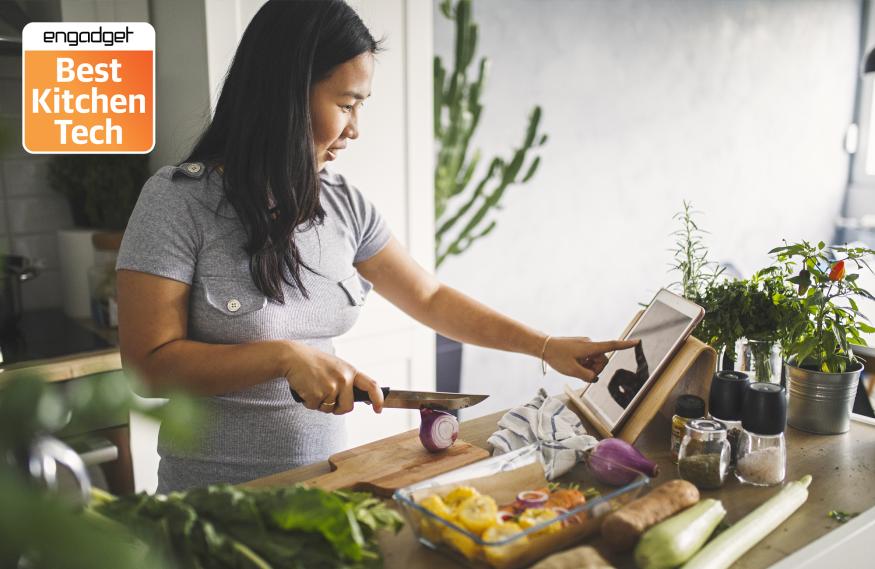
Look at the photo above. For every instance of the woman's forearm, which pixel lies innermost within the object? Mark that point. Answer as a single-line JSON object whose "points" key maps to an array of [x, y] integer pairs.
{"points": [[209, 369], [460, 317]]}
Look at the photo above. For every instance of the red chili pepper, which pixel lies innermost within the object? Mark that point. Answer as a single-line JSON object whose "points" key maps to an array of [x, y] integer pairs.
{"points": [[838, 271]]}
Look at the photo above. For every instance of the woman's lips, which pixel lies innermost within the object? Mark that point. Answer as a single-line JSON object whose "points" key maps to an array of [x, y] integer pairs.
{"points": [[332, 152]]}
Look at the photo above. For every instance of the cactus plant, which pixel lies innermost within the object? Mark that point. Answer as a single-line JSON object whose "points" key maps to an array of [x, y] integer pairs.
{"points": [[457, 111]]}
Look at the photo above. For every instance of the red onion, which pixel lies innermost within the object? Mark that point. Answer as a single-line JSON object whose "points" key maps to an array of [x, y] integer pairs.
{"points": [[531, 499], [438, 430], [609, 457]]}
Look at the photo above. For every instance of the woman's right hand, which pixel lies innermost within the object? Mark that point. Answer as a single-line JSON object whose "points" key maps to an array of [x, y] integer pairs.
{"points": [[325, 382]]}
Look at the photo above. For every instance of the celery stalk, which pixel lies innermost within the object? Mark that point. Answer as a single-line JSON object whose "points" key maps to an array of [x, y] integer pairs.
{"points": [[727, 547]]}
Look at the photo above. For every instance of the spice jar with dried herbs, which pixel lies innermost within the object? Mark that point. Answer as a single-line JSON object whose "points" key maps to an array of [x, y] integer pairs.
{"points": [[704, 454], [687, 408]]}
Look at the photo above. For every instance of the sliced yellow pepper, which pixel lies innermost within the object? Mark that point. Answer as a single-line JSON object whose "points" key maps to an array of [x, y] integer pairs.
{"points": [[535, 516]]}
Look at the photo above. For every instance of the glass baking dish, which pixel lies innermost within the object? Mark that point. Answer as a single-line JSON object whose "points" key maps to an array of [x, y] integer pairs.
{"points": [[503, 477]]}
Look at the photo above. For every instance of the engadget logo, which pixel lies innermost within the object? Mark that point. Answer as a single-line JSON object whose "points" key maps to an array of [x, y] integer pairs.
{"points": [[88, 87], [106, 38]]}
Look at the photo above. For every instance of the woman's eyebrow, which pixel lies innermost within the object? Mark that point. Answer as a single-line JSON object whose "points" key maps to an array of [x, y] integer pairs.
{"points": [[355, 95]]}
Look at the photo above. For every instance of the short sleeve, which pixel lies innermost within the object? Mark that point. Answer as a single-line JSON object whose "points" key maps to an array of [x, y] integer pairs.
{"points": [[162, 237], [372, 233]]}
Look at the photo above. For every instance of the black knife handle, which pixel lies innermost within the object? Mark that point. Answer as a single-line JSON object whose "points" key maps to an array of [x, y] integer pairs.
{"points": [[361, 395], [358, 395]]}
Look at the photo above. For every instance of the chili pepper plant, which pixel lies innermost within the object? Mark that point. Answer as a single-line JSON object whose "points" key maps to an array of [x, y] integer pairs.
{"points": [[825, 319]]}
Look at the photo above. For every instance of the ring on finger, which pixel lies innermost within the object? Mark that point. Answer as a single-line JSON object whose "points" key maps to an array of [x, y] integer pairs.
{"points": [[328, 404]]}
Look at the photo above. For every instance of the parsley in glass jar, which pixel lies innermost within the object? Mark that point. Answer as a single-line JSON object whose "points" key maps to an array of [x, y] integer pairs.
{"points": [[703, 458]]}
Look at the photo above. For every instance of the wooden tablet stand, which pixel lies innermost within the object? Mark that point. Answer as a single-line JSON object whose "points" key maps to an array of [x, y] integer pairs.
{"points": [[689, 372]]}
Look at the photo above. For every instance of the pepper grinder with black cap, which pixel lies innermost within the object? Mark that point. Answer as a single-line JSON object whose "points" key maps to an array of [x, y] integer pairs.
{"points": [[762, 452], [725, 404]]}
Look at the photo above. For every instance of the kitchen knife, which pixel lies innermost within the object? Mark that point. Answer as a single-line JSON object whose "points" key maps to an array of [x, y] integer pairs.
{"points": [[398, 399]]}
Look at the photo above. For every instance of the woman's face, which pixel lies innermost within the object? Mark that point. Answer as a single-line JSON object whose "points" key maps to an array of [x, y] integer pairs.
{"points": [[335, 104]]}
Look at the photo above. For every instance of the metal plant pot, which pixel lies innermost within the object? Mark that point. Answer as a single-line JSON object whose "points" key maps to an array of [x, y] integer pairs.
{"points": [[821, 402]]}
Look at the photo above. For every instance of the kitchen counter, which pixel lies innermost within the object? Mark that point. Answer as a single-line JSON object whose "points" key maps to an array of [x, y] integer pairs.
{"points": [[82, 348], [842, 467], [61, 350]]}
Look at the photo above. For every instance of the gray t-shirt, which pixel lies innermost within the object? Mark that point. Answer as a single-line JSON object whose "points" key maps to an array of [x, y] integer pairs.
{"points": [[182, 228]]}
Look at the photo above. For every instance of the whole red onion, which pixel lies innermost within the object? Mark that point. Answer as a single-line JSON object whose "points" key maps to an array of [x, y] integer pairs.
{"points": [[616, 462]]}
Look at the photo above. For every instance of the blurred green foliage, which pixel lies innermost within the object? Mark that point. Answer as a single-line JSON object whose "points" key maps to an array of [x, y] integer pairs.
{"points": [[457, 111], [102, 188], [48, 529]]}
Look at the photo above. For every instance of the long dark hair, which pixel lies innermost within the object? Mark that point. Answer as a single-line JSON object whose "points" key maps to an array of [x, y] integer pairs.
{"points": [[261, 133]]}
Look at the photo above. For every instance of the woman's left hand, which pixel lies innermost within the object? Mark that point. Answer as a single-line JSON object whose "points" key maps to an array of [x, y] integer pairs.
{"points": [[581, 357]]}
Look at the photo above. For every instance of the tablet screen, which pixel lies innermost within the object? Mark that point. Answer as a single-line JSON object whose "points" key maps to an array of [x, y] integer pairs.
{"points": [[628, 370]]}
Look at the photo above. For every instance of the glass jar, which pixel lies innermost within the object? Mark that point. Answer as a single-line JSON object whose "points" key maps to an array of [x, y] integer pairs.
{"points": [[762, 459], [762, 359], [726, 402], [687, 408], [762, 452], [733, 436], [703, 458]]}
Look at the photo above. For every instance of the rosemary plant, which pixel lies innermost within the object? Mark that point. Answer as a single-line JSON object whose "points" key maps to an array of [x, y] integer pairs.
{"points": [[697, 273]]}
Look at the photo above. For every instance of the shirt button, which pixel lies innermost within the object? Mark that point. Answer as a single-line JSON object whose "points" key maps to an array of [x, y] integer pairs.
{"points": [[233, 305], [193, 168]]}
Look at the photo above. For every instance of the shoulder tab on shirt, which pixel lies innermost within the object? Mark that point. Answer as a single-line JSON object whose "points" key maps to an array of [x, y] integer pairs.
{"points": [[191, 169]]}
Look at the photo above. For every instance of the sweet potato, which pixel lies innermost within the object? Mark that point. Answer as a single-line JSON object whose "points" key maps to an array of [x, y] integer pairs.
{"points": [[621, 529]]}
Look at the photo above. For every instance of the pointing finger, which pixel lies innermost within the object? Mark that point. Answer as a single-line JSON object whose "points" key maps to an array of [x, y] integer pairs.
{"points": [[613, 345]]}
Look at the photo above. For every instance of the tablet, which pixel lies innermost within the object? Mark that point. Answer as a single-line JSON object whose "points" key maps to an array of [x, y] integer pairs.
{"points": [[663, 327]]}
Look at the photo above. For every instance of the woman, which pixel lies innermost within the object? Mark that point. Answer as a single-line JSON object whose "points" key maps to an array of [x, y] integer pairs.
{"points": [[240, 265]]}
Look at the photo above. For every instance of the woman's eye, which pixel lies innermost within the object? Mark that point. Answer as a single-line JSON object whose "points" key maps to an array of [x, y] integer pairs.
{"points": [[349, 108]]}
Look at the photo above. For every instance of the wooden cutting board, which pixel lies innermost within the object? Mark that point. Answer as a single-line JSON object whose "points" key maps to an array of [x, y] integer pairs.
{"points": [[384, 466]]}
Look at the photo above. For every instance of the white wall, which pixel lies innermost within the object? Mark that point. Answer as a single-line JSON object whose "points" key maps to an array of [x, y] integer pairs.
{"points": [[740, 106], [181, 88]]}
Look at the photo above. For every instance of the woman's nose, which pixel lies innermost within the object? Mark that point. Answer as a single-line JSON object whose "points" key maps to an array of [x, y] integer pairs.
{"points": [[352, 130]]}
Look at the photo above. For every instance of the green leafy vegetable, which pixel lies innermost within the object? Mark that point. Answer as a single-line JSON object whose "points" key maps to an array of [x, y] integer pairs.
{"points": [[226, 526], [842, 517]]}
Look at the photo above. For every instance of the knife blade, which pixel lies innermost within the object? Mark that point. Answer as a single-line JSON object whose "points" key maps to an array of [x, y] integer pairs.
{"points": [[400, 399]]}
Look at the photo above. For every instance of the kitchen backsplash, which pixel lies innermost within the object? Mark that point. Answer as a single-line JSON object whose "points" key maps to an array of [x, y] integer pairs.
{"points": [[30, 212]]}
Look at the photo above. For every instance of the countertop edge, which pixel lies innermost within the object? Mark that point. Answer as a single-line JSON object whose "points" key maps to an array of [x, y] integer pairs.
{"points": [[66, 367]]}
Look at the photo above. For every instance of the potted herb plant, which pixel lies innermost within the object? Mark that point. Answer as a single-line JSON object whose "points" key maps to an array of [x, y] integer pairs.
{"points": [[735, 309], [766, 318], [722, 326], [700, 280], [822, 371], [102, 190]]}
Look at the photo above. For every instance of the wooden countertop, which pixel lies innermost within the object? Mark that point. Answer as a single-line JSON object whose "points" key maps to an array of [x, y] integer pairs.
{"points": [[71, 366], [842, 467]]}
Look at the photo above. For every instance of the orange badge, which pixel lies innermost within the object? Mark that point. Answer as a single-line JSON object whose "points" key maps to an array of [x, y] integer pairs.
{"points": [[88, 87]]}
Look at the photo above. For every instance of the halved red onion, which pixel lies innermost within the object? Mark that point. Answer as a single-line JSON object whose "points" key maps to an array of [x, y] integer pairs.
{"points": [[531, 499], [438, 429]]}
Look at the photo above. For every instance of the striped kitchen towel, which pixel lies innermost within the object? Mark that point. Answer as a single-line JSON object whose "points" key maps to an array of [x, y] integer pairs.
{"points": [[546, 419]]}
